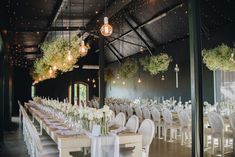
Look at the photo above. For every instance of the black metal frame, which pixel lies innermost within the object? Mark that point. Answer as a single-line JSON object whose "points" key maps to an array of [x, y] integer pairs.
{"points": [[196, 78]]}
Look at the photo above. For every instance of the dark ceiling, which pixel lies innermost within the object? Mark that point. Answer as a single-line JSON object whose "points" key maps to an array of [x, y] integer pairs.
{"points": [[139, 25]]}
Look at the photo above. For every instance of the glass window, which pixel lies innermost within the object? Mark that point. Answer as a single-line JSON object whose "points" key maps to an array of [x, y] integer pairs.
{"points": [[70, 93], [81, 93], [32, 91]]}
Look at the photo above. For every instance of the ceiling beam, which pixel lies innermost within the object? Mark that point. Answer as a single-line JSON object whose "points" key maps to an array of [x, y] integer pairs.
{"points": [[141, 38], [143, 30], [55, 13], [151, 20], [113, 52], [111, 10], [47, 29]]}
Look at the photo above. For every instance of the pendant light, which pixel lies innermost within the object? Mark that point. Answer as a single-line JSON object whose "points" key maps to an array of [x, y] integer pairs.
{"points": [[69, 56], [50, 71], [106, 29], [83, 48]]}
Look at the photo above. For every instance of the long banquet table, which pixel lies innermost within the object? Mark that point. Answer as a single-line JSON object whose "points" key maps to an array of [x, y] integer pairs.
{"points": [[74, 143]]}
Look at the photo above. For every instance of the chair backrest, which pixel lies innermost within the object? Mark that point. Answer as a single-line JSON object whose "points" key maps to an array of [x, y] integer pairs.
{"points": [[167, 116], [147, 130], [132, 124], [146, 113], [117, 108], [156, 115], [138, 112], [129, 111], [184, 118], [120, 119], [216, 122], [31, 129], [232, 121]]}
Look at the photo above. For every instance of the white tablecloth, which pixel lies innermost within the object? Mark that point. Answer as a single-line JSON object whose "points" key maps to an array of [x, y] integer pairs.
{"points": [[105, 146]]}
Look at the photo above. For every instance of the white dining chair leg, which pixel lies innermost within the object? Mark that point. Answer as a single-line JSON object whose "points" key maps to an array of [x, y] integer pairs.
{"points": [[182, 138], [159, 131], [165, 132], [222, 146], [212, 146]]}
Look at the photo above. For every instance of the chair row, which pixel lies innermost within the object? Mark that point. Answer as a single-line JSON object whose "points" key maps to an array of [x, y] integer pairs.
{"points": [[146, 129], [37, 146]]}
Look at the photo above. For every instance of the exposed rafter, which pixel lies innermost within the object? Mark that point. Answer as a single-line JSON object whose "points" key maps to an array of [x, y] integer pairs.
{"points": [[151, 20], [143, 30], [114, 8], [141, 38], [55, 13], [47, 29]]}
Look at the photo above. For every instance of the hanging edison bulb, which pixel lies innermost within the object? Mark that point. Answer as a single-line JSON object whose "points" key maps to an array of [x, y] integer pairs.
{"points": [[83, 49], [139, 80], [50, 71], [69, 57], [106, 29]]}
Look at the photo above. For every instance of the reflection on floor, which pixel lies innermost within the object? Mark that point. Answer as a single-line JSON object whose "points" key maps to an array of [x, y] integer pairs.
{"points": [[159, 148], [15, 147]]}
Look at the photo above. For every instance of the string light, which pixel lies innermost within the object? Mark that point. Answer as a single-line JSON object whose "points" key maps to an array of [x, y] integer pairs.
{"points": [[94, 86], [139, 80], [163, 78], [93, 81], [123, 82], [88, 79], [114, 81]]}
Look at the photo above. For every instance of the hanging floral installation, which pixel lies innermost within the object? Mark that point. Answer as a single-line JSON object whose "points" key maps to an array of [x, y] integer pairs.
{"points": [[128, 69], [219, 58], [56, 58], [156, 64], [108, 74]]}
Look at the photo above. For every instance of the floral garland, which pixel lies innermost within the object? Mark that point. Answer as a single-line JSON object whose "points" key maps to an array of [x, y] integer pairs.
{"points": [[128, 69], [156, 64], [55, 58], [219, 58]]}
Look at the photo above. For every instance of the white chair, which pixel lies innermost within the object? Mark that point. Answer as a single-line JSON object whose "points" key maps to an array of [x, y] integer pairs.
{"points": [[217, 125], [129, 111], [35, 146], [146, 113], [147, 131], [168, 124], [139, 113], [157, 120], [185, 125], [117, 109], [132, 124], [232, 123], [119, 120]]}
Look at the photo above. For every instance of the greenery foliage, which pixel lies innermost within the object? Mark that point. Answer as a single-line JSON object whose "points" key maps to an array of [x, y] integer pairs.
{"points": [[55, 55], [156, 64], [219, 58], [128, 69], [108, 74]]}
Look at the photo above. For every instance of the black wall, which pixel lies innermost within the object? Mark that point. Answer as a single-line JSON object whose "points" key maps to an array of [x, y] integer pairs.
{"points": [[58, 87], [153, 86], [21, 88]]}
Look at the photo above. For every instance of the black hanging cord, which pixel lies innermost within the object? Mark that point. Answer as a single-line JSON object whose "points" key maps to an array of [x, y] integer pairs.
{"points": [[69, 23]]}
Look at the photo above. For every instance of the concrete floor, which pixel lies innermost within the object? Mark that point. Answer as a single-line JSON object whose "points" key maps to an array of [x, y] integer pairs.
{"points": [[15, 147]]}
